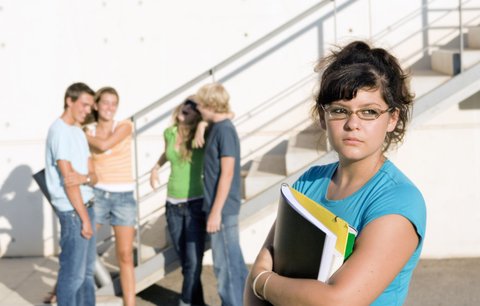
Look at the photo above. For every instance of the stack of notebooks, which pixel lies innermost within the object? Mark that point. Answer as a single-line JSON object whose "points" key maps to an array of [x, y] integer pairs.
{"points": [[310, 241]]}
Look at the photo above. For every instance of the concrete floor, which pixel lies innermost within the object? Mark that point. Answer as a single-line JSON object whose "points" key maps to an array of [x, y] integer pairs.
{"points": [[447, 282]]}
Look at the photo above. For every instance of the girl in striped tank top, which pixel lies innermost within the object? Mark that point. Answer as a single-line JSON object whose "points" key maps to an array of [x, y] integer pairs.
{"points": [[110, 144]]}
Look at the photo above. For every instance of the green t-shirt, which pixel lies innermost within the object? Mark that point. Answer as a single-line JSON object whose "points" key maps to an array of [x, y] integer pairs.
{"points": [[185, 179]]}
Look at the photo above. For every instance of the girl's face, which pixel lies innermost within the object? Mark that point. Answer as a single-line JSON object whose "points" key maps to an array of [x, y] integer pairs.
{"points": [[107, 106], [356, 139], [187, 114]]}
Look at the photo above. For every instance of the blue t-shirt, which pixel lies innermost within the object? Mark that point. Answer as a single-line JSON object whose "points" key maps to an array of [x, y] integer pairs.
{"points": [[65, 142], [222, 141], [388, 192]]}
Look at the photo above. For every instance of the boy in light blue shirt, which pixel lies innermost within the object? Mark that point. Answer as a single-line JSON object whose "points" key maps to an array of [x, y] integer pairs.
{"points": [[69, 177]]}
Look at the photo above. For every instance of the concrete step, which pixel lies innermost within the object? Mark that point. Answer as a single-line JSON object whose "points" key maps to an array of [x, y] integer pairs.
{"points": [[266, 170], [448, 61], [424, 81], [147, 273], [154, 235], [260, 136], [473, 37], [304, 148], [470, 58], [154, 239]]}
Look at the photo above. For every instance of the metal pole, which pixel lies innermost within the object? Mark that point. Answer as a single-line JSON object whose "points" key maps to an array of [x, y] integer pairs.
{"points": [[460, 26], [212, 74], [370, 20], [335, 20], [137, 191]]}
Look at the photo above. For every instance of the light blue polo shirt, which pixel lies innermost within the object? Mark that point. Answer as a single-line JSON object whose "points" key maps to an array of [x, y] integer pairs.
{"points": [[65, 142]]}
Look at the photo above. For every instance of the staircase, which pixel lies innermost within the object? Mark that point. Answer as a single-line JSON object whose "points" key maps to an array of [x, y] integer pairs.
{"points": [[278, 138]]}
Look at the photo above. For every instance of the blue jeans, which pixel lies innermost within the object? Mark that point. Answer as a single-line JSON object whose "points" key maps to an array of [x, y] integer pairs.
{"points": [[228, 262], [75, 284], [186, 224]]}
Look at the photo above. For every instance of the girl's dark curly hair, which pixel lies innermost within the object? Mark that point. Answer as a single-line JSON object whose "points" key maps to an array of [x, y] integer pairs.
{"points": [[358, 66]]}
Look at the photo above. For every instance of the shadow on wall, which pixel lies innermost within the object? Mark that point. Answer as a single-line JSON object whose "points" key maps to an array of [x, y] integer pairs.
{"points": [[21, 215]]}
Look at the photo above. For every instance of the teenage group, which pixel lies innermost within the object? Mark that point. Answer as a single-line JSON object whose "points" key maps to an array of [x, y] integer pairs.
{"points": [[89, 177], [363, 103]]}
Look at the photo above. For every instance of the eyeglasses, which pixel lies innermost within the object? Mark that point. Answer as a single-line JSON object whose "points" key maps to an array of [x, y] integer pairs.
{"points": [[335, 112]]}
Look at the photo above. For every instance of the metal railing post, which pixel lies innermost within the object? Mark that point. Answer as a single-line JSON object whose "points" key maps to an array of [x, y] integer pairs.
{"points": [[460, 27], [137, 191], [212, 74], [335, 20], [370, 35]]}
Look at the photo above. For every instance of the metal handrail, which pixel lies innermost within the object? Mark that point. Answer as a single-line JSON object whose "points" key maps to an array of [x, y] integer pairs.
{"points": [[398, 24], [232, 58], [401, 21], [460, 31]]}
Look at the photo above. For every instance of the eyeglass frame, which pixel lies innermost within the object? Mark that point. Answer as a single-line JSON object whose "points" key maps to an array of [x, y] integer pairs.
{"points": [[350, 112]]}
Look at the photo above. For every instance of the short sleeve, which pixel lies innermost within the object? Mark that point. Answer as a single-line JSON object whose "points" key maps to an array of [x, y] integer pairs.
{"points": [[168, 133], [227, 142], [405, 200], [61, 146]]}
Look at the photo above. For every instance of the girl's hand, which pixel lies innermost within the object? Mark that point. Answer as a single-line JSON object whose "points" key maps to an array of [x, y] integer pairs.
{"points": [[154, 181]]}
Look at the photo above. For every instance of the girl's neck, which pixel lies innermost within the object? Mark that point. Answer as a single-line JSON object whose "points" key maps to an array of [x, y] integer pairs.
{"points": [[350, 177], [105, 123], [104, 127]]}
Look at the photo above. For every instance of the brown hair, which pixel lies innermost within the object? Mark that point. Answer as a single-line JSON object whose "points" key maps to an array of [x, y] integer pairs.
{"points": [[75, 90], [358, 66], [93, 116]]}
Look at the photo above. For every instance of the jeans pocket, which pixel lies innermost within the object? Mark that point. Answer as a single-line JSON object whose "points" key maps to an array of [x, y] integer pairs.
{"points": [[70, 227]]}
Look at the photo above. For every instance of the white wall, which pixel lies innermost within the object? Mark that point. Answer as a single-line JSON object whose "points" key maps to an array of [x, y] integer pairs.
{"points": [[442, 156], [145, 49]]}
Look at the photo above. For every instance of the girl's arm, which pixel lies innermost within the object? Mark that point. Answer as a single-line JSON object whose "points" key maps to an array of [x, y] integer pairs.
{"points": [[154, 182], [199, 139], [382, 249], [103, 144], [263, 262]]}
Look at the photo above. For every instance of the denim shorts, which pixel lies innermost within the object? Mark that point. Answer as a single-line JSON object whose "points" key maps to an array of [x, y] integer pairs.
{"points": [[116, 208]]}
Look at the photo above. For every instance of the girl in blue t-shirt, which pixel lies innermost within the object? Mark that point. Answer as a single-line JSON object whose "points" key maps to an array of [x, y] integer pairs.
{"points": [[364, 104]]}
